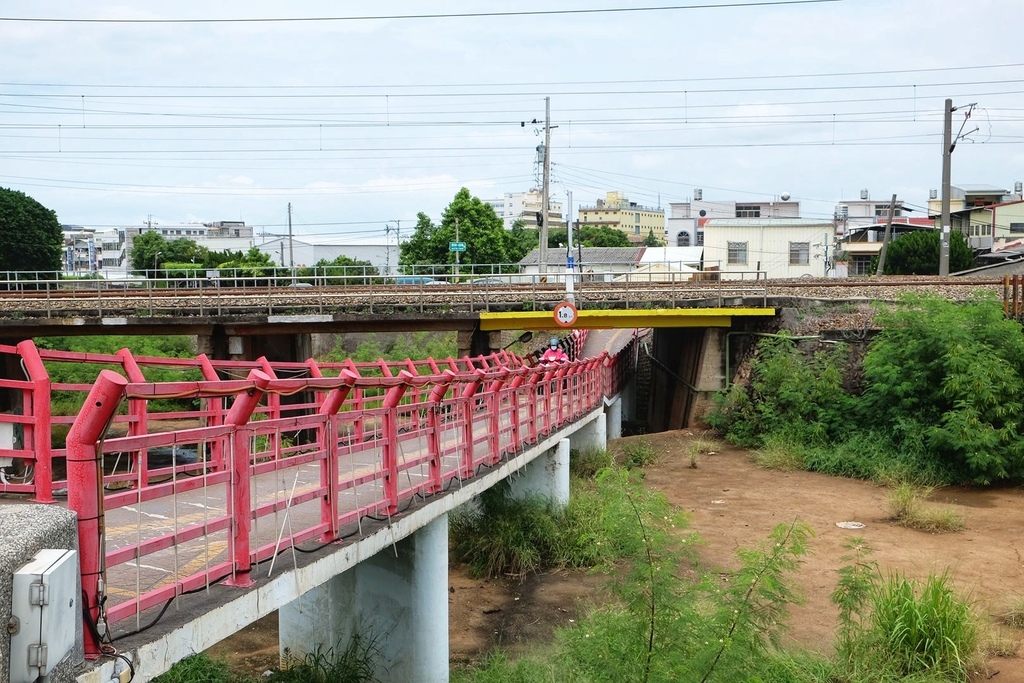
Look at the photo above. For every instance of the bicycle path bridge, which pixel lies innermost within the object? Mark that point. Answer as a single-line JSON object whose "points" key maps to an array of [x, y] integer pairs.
{"points": [[203, 504]]}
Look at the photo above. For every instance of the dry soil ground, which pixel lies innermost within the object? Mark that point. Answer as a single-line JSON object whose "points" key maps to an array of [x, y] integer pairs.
{"points": [[732, 503]]}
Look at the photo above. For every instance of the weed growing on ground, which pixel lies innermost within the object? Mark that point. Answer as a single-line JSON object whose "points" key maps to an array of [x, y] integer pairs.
{"points": [[588, 462], [199, 668], [909, 509], [701, 445], [1012, 613], [639, 453], [357, 663]]}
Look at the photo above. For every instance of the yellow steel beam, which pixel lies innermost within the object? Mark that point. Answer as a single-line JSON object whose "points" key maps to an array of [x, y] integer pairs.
{"points": [[624, 318]]}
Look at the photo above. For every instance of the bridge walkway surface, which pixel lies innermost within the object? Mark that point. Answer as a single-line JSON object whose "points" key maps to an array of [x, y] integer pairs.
{"points": [[181, 509]]}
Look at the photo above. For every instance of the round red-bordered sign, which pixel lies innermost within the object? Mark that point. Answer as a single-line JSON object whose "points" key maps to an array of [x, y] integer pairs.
{"points": [[565, 314]]}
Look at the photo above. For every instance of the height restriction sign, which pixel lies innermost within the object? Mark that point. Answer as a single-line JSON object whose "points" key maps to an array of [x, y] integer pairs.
{"points": [[565, 314]]}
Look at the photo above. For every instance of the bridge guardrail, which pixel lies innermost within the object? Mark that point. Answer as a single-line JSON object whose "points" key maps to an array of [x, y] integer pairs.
{"points": [[239, 484]]}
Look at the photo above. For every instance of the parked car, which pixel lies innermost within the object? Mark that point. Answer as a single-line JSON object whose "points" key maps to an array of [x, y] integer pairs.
{"points": [[417, 280]]}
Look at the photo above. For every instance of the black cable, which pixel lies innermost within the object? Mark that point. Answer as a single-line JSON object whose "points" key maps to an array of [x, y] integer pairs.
{"points": [[395, 17]]}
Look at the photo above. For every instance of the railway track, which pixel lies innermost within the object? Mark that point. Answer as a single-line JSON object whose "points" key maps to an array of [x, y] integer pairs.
{"points": [[90, 298]]}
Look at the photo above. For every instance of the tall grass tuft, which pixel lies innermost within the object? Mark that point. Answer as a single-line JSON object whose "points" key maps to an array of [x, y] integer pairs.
{"points": [[588, 462], [929, 631], [1012, 613], [780, 453], [356, 663], [909, 509]]}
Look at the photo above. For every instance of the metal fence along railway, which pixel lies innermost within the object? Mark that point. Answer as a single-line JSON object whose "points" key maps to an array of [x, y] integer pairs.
{"points": [[267, 456]]}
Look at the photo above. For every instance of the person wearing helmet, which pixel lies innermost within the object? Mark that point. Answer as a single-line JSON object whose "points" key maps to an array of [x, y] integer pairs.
{"points": [[554, 353]]}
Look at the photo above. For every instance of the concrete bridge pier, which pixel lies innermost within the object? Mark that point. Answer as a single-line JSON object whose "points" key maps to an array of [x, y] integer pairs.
{"points": [[613, 418], [546, 476], [477, 342], [594, 434], [396, 601]]}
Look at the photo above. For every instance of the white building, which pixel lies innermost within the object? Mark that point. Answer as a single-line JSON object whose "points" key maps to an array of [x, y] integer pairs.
{"points": [[686, 219], [91, 251], [526, 206], [777, 247], [381, 252]]}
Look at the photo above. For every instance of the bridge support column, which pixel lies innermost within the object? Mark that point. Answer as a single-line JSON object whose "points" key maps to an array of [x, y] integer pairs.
{"points": [[397, 599], [710, 373], [613, 418], [547, 476], [593, 435]]}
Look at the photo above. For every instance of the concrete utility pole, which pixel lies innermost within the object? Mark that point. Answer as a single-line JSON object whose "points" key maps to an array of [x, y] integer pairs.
{"points": [[544, 200], [886, 238], [291, 243], [947, 153], [570, 294]]}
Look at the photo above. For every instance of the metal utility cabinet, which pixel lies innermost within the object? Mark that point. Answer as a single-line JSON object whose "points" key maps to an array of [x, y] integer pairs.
{"points": [[45, 605]]}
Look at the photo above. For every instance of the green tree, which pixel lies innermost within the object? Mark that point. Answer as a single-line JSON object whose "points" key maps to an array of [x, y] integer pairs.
{"points": [[30, 235], [342, 270], [651, 240], [148, 251], [589, 236], [521, 241], [466, 219], [917, 253]]}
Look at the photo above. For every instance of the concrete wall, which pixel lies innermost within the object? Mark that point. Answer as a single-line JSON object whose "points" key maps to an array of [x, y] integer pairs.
{"points": [[25, 530]]}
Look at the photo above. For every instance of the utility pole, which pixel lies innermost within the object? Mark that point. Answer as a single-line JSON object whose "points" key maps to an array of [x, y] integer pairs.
{"points": [[291, 242], [456, 253], [544, 201], [886, 238], [947, 153], [570, 294]]}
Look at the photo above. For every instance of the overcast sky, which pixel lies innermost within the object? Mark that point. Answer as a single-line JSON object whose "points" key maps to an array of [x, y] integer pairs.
{"points": [[359, 122]]}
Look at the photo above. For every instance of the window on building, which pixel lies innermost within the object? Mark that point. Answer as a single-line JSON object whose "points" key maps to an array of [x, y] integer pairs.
{"points": [[748, 211], [860, 265], [737, 253], [1017, 228], [683, 239], [882, 210], [700, 238], [636, 229], [799, 253]]}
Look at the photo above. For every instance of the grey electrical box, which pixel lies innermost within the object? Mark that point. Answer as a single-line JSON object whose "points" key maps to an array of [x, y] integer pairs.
{"points": [[45, 603]]}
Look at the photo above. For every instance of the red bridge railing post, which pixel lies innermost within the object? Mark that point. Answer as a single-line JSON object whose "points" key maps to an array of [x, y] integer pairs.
{"points": [[329, 436], [435, 423], [85, 489], [468, 437], [38, 433], [389, 449], [240, 500]]}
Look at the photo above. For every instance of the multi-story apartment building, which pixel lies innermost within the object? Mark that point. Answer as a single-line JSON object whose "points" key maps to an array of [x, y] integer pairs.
{"points": [[526, 207], [686, 219], [988, 215], [616, 211]]}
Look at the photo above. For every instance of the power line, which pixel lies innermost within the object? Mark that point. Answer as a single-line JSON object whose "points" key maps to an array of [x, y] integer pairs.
{"points": [[544, 84], [397, 17]]}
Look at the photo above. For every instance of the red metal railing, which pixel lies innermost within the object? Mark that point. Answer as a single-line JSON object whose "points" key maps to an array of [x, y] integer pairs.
{"points": [[303, 453]]}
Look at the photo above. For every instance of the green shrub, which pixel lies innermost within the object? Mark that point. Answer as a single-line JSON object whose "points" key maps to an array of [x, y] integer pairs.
{"points": [[794, 392], [954, 373]]}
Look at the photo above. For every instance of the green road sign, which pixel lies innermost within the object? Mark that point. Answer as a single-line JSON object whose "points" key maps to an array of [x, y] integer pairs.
{"points": [[456, 246]]}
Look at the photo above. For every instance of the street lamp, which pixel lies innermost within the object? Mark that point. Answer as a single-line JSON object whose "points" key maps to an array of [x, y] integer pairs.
{"points": [[155, 257]]}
